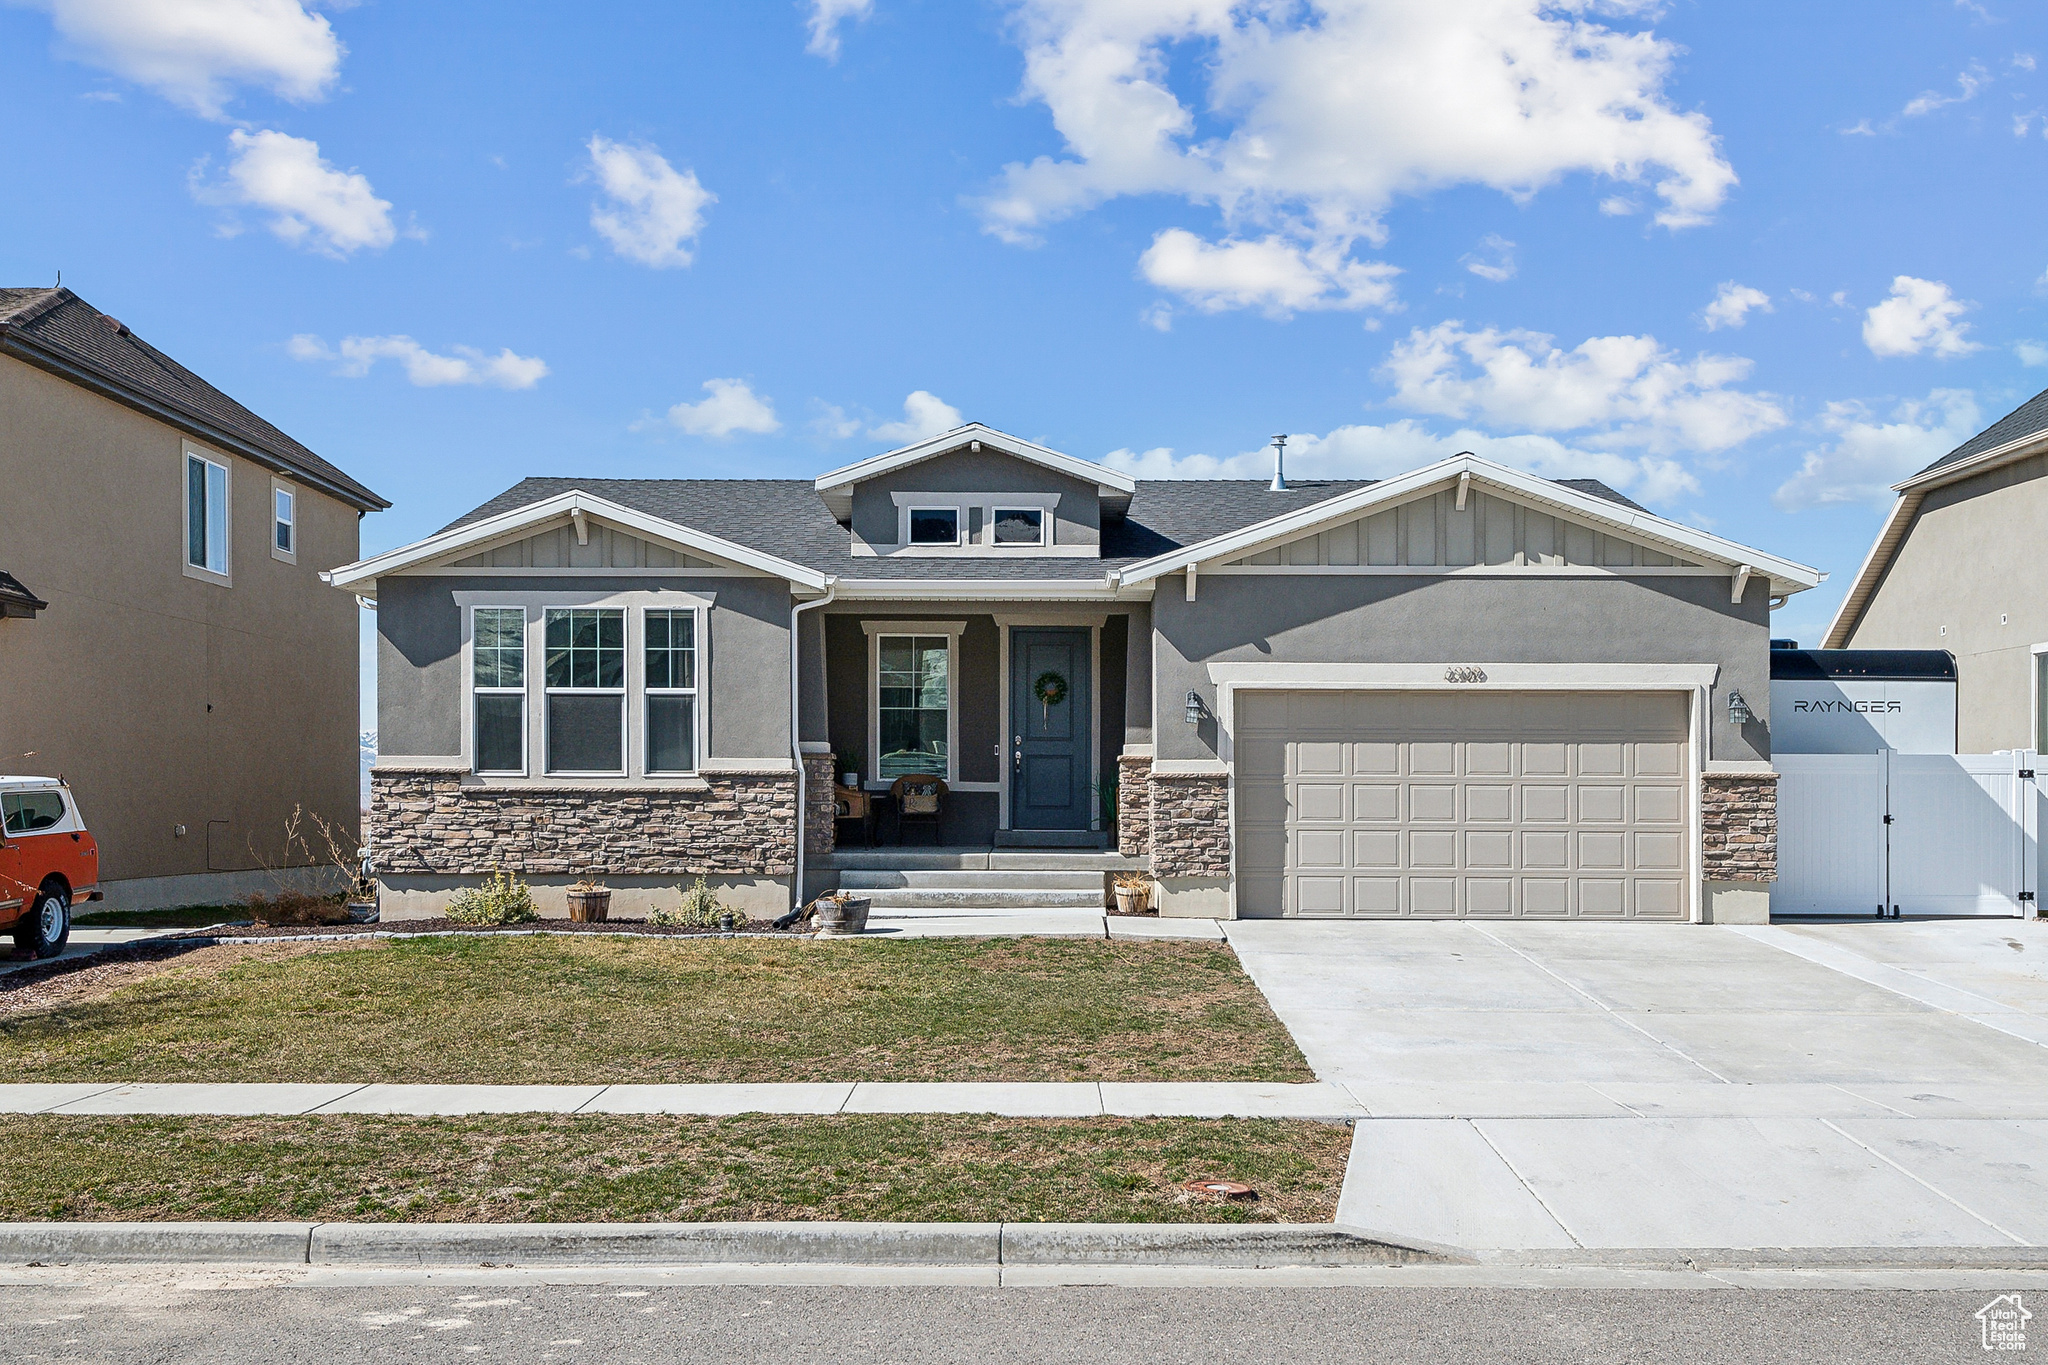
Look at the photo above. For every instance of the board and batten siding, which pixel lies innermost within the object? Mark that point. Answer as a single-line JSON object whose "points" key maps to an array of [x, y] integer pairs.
{"points": [[1432, 532], [557, 548]]}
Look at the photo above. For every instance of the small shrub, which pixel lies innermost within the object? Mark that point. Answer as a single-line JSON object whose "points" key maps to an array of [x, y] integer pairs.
{"points": [[700, 909], [504, 899]]}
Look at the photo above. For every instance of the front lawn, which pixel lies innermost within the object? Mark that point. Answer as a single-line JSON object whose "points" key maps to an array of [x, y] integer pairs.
{"points": [[619, 1168], [531, 1010], [180, 917]]}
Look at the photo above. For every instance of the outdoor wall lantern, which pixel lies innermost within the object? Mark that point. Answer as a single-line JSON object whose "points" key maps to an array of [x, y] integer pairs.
{"points": [[1194, 713], [1738, 710]]}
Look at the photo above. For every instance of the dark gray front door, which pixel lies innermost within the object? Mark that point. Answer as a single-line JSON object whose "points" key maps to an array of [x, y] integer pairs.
{"points": [[1049, 770]]}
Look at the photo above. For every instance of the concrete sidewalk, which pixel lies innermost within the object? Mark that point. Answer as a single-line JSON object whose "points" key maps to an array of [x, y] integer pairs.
{"points": [[1018, 1100]]}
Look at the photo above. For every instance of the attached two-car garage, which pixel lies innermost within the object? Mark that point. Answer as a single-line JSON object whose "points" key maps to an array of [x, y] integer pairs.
{"points": [[1448, 804]]}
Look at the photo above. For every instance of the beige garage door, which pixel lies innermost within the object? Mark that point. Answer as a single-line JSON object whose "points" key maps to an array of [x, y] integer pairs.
{"points": [[1443, 805]]}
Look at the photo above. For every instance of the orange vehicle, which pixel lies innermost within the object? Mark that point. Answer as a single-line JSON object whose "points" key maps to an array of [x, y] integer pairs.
{"points": [[48, 862]]}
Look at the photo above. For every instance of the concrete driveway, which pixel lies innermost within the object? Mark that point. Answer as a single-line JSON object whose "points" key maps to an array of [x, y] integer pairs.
{"points": [[1630, 1086]]}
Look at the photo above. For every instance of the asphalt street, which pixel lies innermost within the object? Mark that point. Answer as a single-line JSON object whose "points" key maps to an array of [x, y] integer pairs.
{"points": [[138, 1322]]}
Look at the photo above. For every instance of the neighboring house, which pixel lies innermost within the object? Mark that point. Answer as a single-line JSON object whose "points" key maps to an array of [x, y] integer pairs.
{"points": [[181, 665], [1960, 566], [1464, 691]]}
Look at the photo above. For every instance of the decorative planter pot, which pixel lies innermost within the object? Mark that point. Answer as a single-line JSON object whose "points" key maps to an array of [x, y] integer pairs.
{"points": [[1131, 902], [362, 912], [850, 780], [590, 907], [842, 916]]}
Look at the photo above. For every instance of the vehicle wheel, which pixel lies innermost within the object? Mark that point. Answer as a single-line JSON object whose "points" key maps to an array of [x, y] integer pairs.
{"points": [[47, 927]]}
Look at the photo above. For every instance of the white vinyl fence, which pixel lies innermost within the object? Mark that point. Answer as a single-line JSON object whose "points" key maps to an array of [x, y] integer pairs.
{"points": [[1922, 834]]}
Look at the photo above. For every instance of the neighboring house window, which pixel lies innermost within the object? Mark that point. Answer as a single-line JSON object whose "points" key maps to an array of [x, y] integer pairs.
{"points": [[934, 526], [285, 522], [671, 687], [586, 690], [206, 514], [913, 693], [498, 642], [1018, 526]]}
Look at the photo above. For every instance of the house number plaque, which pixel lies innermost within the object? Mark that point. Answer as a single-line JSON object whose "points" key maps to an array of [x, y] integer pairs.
{"points": [[1464, 673]]}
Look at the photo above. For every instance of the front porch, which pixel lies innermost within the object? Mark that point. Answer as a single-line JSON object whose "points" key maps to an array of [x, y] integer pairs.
{"points": [[1021, 711]]}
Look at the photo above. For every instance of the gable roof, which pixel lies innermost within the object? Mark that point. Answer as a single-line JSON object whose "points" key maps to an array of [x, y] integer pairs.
{"points": [[1114, 484], [576, 505], [2021, 433], [16, 599], [57, 331], [1610, 512]]}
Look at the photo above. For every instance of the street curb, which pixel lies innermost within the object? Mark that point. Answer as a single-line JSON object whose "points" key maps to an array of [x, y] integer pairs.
{"points": [[1270, 1245], [1776, 1258]]}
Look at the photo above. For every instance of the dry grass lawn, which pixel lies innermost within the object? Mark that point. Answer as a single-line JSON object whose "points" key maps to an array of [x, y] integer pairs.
{"points": [[579, 1011], [616, 1168]]}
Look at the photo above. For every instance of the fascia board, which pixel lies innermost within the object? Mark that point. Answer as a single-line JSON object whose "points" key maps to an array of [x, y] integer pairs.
{"points": [[2032, 444], [1889, 537], [1085, 470], [353, 577], [1527, 487], [985, 589]]}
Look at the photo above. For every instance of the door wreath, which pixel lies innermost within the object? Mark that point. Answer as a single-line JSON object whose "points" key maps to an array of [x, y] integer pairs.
{"points": [[1050, 689]]}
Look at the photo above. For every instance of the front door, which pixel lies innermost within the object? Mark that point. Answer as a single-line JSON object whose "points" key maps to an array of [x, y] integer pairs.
{"points": [[1049, 701]]}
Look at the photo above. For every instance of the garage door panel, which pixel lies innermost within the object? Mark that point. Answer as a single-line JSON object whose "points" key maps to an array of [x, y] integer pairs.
{"points": [[1448, 804]]}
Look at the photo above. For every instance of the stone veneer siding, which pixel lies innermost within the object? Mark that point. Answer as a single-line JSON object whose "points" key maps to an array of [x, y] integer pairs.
{"points": [[821, 823], [1190, 826], [1739, 827], [1133, 805], [430, 823]]}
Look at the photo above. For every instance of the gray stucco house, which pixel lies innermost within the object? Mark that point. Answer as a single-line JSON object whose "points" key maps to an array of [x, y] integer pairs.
{"points": [[1466, 691], [1960, 566]]}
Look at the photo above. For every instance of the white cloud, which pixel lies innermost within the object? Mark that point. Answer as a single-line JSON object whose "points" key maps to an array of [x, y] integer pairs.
{"points": [[1271, 274], [732, 406], [1498, 264], [1920, 315], [2031, 353], [1732, 304], [194, 52], [654, 211], [311, 204], [923, 415], [826, 17], [1871, 454], [834, 423], [1509, 94], [1627, 390], [466, 364], [1968, 84], [1377, 452]]}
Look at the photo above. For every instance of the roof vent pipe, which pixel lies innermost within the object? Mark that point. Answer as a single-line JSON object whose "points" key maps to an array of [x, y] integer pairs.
{"points": [[1279, 484]]}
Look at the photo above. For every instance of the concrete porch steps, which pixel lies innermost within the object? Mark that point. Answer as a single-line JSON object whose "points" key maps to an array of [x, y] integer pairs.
{"points": [[928, 859], [980, 898], [950, 879]]}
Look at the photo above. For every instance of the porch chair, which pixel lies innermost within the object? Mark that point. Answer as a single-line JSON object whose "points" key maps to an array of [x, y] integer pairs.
{"points": [[920, 797]]}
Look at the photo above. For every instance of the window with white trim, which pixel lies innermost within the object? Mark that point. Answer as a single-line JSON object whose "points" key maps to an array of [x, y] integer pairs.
{"points": [[1017, 526], [284, 522], [206, 514], [670, 684], [585, 684], [934, 526], [913, 692], [498, 683]]}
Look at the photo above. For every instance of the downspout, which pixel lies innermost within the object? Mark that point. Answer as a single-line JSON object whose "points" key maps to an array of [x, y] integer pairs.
{"points": [[796, 747]]}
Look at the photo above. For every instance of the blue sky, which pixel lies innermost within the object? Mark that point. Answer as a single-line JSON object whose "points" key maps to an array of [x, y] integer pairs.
{"points": [[1750, 262]]}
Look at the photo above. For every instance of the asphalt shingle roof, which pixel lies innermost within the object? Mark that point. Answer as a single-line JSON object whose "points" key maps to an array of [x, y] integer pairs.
{"points": [[59, 331], [2028, 419], [787, 518], [13, 592]]}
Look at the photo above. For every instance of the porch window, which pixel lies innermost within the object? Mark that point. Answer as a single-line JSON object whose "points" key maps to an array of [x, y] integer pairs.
{"points": [[914, 692], [671, 691], [498, 676], [586, 690]]}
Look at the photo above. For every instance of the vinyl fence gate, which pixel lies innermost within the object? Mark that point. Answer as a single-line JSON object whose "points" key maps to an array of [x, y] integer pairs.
{"points": [[1909, 834]]}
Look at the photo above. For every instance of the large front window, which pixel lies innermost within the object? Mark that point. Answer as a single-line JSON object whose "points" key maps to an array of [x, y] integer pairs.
{"points": [[914, 694], [498, 649], [671, 691], [586, 690]]}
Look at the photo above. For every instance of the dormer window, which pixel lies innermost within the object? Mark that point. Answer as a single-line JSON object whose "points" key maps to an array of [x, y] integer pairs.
{"points": [[934, 526], [1017, 526]]}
